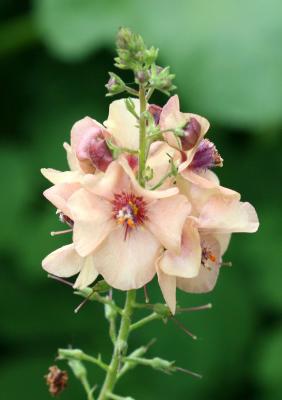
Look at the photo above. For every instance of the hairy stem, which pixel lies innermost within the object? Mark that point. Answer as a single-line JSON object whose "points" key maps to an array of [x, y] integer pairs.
{"points": [[142, 136], [120, 346]]}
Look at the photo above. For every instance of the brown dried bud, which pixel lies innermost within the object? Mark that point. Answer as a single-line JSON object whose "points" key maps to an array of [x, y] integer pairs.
{"points": [[57, 380]]}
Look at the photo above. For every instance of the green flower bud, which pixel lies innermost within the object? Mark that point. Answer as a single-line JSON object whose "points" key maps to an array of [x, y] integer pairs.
{"points": [[115, 85]]}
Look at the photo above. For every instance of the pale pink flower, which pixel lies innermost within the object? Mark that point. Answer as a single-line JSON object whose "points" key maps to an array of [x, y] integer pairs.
{"points": [[196, 269], [125, 226]]}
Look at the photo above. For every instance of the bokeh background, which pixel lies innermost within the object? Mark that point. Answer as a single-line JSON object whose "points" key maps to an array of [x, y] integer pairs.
{"points": [[227, 56]]}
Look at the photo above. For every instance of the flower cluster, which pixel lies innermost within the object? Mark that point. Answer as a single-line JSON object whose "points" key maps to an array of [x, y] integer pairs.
{"points": [[174, 220]]}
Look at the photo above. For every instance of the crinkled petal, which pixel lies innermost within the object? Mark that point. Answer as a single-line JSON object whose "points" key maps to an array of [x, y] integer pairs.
{"points": [[127, 263], [199, 188], [187, 263], [225, 215], [208, 272], [167, 285], [123, 125], [87, 275], [166, 218], [93, 221], [59, 194], [114, 180], [63, 262]]}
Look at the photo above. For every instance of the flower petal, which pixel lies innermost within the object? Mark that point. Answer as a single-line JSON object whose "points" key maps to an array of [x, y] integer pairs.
{"points": [[167, 284], [166, 218], [127, 263], [59, 194], [208, 273], [72, 159], [114, 180], [187, 263], [225, 215], [63, 262], [93, 221], [123, 125], [55, 176], [87, 275], [147, 194]]}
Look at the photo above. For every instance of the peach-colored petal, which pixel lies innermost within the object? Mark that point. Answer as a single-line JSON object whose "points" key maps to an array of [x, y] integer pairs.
{"points": [[223, 240], [87, 275], [127, 263], [56, 176], [93, 220], [208, 272], [199, 188], [147, 194], [63, 262], [225, 215], [114, 180], [166, 218], [187, 263], [72, 159], [167, 284], [159, 160], [123, 125], [59, 194]]}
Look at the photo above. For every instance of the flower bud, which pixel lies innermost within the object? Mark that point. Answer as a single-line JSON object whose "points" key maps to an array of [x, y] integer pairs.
{"points": [[156, 112], [115, 84], [192, 132], [141, 77], [206, 156], [93, 149]]}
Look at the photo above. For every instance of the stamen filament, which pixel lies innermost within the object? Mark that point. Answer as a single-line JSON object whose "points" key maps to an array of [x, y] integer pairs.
{"points": [[55, 233]]}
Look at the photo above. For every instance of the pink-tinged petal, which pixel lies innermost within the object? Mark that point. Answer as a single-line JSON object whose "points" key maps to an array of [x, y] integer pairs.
{"points": [[59, 194], [93, 220], [187, 263], [223, 240], [208, 272], [87, 275], [147, 194], [63, 262], [225, 215], [123, 125], [167, 284], [171, 117], [159, 160], [166, 218], [114, 180], [199, 188], [127, 263], [72, 159], [55, 176]]}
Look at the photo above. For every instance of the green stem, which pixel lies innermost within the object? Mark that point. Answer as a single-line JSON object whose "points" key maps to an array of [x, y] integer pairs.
{"points": [[120, 346], [152, 317], [142, 136], [87, 388]]}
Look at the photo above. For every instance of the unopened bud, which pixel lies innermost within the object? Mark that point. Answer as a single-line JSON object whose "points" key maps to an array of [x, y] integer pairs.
{"points": [[141, 77], [115, 84], [192, 132], [206, 156], [99, 153], [155, 111]]}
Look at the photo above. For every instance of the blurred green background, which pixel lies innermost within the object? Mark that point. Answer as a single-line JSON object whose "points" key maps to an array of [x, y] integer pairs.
{"points": [[227, 56]]}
